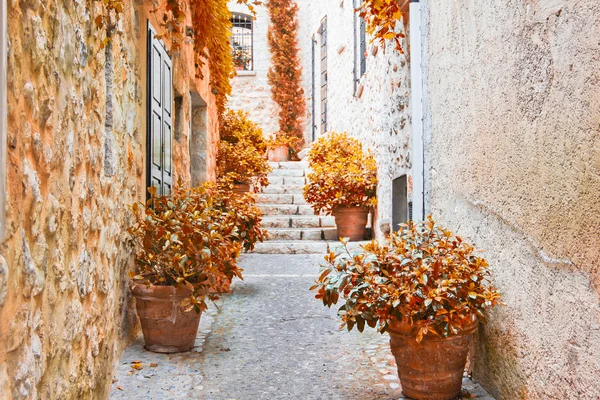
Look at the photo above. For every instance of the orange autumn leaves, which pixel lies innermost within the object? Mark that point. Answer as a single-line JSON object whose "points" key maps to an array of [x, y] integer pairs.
{"points": [[285, 74]]}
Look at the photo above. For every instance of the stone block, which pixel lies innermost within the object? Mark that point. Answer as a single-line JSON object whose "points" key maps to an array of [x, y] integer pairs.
{"points": [[306, 222], [288, 172], [263, 198], [291, 247], [280, 189]]}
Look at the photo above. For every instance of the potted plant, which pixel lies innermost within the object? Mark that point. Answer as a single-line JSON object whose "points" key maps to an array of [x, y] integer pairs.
{"points": [[241, 159], [343, 182], [280, 145], [188, 244], [428, 289]]}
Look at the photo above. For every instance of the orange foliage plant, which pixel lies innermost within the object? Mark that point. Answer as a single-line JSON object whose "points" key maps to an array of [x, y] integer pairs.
{"points": [[285, 74]]}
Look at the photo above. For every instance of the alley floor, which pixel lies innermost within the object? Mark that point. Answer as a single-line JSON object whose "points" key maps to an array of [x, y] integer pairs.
{"points": [[269, 339]]}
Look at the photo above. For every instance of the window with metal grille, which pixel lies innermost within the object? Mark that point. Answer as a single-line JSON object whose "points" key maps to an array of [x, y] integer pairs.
{"points": [[323, 34], [242, 42], [313, 87]]}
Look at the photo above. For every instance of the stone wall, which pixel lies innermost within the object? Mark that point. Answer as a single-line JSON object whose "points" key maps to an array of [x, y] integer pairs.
{"points": [[251, 90], [379, 113], [512, 154], [75, 161]]}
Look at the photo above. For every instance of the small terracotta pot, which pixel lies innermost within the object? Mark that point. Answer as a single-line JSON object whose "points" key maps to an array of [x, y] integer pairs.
{"points": [[241, 188], [166, 327], [279, 154], [351, 222], [432, 369]]}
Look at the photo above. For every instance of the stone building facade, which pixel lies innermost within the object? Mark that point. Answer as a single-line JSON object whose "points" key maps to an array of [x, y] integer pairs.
{"points": [[76, 157], [512, 162], [368, 98], [372, 106], [251, 91]]}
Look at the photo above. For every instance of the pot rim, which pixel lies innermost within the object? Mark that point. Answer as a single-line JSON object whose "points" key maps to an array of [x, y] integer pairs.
{"points": [[403, 328], [159, 291], [350, 209]]}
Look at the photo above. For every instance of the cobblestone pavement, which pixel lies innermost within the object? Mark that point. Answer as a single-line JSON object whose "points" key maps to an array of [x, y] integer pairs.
{"points": [[269, 339]]}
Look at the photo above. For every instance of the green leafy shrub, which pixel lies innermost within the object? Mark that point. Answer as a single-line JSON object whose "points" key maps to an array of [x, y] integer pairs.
{"points": [[425, 276], [343, 175]]}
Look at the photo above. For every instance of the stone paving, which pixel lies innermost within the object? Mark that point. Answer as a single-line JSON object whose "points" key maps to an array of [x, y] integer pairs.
{"points": [[269, 339]]}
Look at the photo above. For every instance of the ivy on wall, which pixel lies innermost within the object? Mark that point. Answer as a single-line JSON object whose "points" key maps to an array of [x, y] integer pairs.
{"points": [[285, 73], [210, 34]]}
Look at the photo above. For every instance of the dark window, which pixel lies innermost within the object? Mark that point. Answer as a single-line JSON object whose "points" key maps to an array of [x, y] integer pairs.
{"points": [[323, 33], [241, 42], [363, 46], [160, 119], [401, 209]]}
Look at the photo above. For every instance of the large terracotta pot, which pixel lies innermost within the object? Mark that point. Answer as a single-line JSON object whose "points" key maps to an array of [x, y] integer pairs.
{"points": [[241, 188], [166, 327], [279, 154], [432, 369], [351, 222]]}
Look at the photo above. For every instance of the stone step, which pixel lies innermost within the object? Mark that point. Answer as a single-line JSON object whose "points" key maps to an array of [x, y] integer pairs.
{"points": [[288, 172], [264, 198], [303, 234], [291, 247], [287, 180], [298, 221], [285, 209], [280, 189], [305, 247], [289, 165]]}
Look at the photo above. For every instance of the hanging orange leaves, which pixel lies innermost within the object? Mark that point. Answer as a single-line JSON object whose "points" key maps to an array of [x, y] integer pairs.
{"points": [[285, 74], [382, 17]]}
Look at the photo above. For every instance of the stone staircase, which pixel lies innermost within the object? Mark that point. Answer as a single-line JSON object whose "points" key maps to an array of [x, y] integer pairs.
{"points": [[292, 225]]}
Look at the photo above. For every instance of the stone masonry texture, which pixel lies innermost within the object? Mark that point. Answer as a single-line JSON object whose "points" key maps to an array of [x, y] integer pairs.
{"points": [[512, 152], [75, 162]]}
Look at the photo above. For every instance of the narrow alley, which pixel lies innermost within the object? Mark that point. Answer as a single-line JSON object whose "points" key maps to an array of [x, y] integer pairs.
{"points": [[271, 339]]}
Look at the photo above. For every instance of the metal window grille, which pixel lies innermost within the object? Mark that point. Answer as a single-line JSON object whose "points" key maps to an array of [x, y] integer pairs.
{"points": [[242, 42], [313, 87], [323, 33], [363, 45]]}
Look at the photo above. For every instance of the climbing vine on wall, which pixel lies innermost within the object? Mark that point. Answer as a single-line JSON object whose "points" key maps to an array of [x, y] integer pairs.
{"points": [[210, 34], [383, 17], [285, 74]]}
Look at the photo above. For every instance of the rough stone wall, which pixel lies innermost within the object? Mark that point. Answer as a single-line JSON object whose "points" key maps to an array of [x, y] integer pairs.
{"points": [[379, 116], [75, 161], [512, 154], [251, 91]]}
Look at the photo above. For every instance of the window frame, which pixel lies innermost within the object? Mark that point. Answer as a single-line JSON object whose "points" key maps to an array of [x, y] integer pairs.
{"points": [[324, 74], [251, 20], [360, 46]]}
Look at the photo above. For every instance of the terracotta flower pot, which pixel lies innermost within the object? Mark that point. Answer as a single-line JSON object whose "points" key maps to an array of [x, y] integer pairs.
{"points": [[432, 369], [351, 222], [166, 327], [279, 154], [241, 188]]}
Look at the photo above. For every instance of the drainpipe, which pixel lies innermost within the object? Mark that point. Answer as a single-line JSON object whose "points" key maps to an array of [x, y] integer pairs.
{"points": [[416, 100]]}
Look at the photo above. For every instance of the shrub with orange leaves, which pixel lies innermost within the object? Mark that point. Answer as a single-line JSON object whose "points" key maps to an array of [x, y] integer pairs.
{"points": [[285, 74], [343, 175], [242, 154], [193, 238], [425, 276]]}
